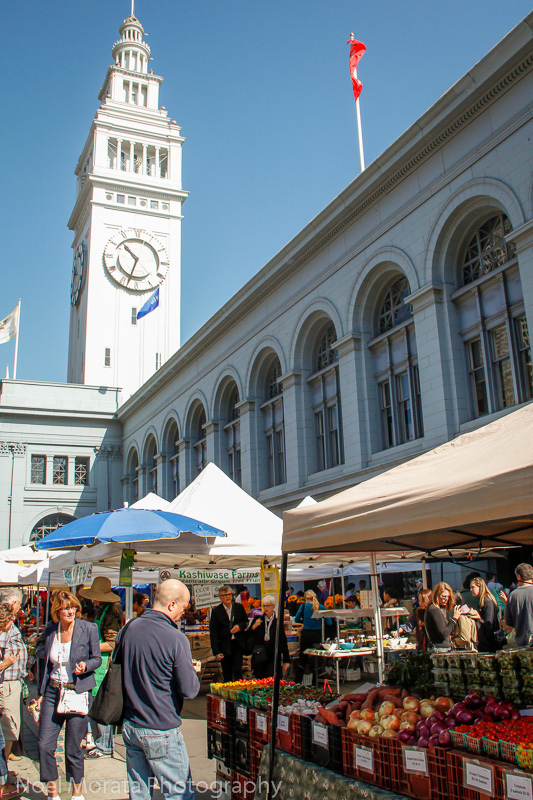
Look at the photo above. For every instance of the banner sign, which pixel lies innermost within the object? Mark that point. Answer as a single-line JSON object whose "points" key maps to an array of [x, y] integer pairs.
{"points": [[190, 575], [78, 573], [126, 563]]}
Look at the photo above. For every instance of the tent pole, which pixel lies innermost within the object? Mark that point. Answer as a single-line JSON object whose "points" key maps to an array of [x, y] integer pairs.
{"points": [[47, 601], [271, 792], [342, 585], [377, 614], [129, 602], [38, 609], [424, 575]]}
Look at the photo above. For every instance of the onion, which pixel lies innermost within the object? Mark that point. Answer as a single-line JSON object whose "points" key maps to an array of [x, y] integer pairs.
{"points": [[424, 731], [420, 724], [444, 704], [410, 716], [411, 704], [364, 726], [515, 714], [445, 739], [389, 734], [375, 730], [404, 736], [426, 708], [438, 716], [423, 742], [500, 713], [391, 722], [437, 728], [407, 726], [457, 708], [464, 717], [450, 722], [433, 741], [386, 709]]}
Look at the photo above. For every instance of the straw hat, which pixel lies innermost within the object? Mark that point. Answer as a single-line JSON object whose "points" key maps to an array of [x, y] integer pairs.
{"points": [[100, 591]]}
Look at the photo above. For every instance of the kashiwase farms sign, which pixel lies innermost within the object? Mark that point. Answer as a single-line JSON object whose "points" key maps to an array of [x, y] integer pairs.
{"points": [[220, 576]]}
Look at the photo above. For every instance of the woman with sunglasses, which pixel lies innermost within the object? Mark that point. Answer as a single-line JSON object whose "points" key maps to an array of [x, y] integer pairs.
{"points": [[441, 617], [263, 635], [72, 654]]}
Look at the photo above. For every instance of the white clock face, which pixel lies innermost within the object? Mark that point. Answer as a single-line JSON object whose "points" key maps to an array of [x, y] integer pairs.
{"points": [[78, 273], [136, 260]]}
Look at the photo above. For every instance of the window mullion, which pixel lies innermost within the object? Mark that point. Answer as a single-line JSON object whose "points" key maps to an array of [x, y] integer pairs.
{"points": [[512, 343]]}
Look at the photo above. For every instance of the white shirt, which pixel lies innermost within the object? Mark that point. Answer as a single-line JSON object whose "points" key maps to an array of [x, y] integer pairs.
{"points": [[60, 658]]}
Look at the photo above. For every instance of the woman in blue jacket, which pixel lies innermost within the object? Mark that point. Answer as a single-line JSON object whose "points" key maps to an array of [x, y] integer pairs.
{"points": [[72, 654], [311, 633]]}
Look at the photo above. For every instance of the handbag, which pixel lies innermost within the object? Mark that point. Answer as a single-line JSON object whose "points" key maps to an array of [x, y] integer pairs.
{"points": [[259, 654], [108, 704], [72, 702]]}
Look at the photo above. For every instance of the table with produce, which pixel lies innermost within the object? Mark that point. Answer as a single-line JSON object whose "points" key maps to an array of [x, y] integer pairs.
{"points": [[404, 736]]}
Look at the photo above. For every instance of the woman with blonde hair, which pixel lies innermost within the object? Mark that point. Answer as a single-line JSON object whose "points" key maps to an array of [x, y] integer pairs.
{"points": [[263, 635], [488, 611], [441, 617], [72, 654], [311, 633]]}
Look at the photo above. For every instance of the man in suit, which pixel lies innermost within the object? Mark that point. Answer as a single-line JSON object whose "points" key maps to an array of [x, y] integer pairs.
{"points": [[226, 630]]}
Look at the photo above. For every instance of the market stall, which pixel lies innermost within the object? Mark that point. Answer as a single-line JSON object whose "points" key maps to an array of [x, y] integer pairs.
{"points": [[473, 492]]}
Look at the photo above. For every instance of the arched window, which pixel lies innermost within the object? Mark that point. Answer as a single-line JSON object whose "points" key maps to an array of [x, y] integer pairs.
{"points": [[49, 524], [172, 459], [151, 465], [492, 320], [133, 477], [272, 409], [200, 443], [396, 367], [232, 430], [326, 401]]}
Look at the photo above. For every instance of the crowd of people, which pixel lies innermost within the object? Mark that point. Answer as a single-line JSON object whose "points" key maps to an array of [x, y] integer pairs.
{"points": [[88, 625]]}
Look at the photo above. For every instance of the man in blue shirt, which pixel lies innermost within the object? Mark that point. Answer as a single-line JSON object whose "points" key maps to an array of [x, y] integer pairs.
{"points": [[158, 676]]}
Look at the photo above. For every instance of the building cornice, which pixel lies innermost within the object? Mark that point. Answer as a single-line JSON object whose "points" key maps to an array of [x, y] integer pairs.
{"points": [[471, 96]]}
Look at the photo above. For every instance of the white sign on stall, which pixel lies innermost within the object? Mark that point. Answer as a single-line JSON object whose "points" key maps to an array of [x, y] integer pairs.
{"points": [[78, 573], [364, 759], [190, 575], [320, 734], [414, 760], [518, 786], [206, 595], [478, 777]]}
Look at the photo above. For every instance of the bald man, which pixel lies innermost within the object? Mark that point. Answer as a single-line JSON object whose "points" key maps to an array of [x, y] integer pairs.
{"points": [[158, 676]]}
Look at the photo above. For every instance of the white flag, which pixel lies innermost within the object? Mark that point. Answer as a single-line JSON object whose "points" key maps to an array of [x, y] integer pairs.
{"points": [[8, 326]]}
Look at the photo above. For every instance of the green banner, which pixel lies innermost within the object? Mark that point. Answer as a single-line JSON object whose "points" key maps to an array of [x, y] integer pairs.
{"points": [[126, 564]]}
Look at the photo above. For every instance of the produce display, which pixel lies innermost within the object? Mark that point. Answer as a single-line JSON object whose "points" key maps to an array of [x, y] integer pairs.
{"points": [[258, 693], [505, 674]]}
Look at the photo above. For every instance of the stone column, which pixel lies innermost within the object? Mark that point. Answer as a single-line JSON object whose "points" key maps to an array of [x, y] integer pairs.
{"points": [[438, 409], [296, 461], [15, 532], [160, 461], [523, 239], [212, 441], [249, 449], [354, 437], [184, 449]]}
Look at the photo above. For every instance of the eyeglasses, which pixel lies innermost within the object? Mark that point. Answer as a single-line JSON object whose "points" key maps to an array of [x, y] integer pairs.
{"points": [[226, 594], [69, 608]]}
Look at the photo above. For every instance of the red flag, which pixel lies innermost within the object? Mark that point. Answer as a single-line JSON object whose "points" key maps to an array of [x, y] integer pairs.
{"points": [[357, 51]]}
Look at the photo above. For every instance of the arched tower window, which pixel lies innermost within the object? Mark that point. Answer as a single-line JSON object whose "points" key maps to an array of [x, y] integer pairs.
{"points": [[151, 466], [48, 525], [326, 400], [396, 366], [133, 477], [492, 319], [272, 409], [172, 460]]}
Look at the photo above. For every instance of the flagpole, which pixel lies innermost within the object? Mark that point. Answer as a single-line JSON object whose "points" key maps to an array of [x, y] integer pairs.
{"points": [[16, 344], [359, 131]]}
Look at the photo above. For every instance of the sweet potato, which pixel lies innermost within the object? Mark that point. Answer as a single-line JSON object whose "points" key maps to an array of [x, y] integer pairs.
{"points": [[328, 715], [395, 690], [372, 696], [392, 698], [355, 696]]}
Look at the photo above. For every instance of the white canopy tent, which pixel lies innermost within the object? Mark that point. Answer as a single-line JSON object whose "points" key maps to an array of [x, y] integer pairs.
{"points": [[152, 502]]}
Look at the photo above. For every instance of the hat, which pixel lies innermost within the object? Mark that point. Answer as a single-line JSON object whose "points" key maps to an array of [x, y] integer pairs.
{"points": [[100, 591]]}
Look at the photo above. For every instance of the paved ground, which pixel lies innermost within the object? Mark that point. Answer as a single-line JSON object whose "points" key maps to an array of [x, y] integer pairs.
{"points": [[105, 778]]}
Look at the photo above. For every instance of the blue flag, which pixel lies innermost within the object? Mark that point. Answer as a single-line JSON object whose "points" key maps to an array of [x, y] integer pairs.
{"points": [[150, 304]]}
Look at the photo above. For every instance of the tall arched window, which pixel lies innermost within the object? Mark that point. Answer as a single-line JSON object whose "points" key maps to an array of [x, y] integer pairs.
{"points": [[151, 465], [326, 401], [200, 443], [172, 455], [133, 477], [272, 409], [396, 366], [232, 430], [48, 525], [492, 320]]}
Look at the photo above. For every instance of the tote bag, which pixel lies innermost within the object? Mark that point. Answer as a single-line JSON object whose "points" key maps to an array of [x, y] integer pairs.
{"points": [[108, 704]]}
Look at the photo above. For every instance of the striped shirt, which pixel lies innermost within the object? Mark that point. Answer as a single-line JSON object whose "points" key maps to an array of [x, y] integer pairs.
{"points": [[11, 641]]}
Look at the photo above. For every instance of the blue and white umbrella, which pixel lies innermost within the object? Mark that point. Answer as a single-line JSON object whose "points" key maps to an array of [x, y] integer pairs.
{"points": [[125, 525]]}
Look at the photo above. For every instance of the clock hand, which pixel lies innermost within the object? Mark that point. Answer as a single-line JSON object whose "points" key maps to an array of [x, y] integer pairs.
{"points": [[135, 259]]}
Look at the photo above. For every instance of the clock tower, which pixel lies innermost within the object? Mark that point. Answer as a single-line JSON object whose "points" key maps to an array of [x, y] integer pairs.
{"points": [[127, 228]]}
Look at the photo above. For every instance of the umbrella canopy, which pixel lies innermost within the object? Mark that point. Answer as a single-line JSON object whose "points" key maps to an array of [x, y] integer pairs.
{"points": [[125, 525]]}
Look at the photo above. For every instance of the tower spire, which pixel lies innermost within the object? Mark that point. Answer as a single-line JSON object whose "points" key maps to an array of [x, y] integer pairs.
{"points": [[132, 8]]}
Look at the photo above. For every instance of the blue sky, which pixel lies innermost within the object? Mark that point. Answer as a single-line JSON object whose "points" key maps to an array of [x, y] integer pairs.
{"points": [[263, 96]]}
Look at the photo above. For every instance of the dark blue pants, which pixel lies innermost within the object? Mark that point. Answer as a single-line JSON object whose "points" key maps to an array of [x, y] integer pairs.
{"points": [[49, 728]]}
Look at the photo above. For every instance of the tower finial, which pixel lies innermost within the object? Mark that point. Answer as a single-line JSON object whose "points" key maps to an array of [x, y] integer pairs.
{"points": [[132, 8]]}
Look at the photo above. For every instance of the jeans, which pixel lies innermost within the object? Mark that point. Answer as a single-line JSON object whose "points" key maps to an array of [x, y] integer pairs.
{"points": [[103, 738], [3, 762], [49, 728], [154, 754]]}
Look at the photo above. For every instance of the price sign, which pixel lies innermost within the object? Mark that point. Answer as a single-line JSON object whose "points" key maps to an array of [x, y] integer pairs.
{"points": [[477, 777], [222, 709], [518, 786], [242, 714], [364, 758], [283, 722], [261, 723], [320, 734], [414, 760]]}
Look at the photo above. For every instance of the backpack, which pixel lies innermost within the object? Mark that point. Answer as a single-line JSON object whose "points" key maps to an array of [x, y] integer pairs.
{"points": [[465, 636]]}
